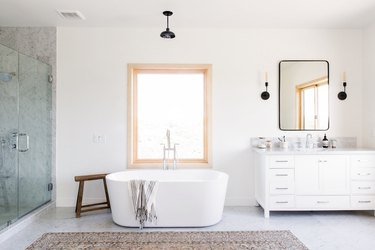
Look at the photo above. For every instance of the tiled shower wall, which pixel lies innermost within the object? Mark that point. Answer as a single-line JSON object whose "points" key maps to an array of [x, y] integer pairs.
{"points": [[38, 43]]}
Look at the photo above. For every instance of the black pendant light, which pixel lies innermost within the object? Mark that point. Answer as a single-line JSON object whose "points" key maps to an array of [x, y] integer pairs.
{"points": [[167, 33]]}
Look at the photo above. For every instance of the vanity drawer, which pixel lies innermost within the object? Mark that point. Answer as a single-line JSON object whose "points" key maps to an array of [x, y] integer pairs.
{"points": [[328, 202], [363, 187], [282, 201], [282, 161], [361, 173], [282, 187], [281, 174], [363, 161], [362, 202]]}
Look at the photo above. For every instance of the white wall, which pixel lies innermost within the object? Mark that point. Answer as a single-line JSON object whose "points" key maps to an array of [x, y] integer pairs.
{"points": [[92, 79], [369, 86]]}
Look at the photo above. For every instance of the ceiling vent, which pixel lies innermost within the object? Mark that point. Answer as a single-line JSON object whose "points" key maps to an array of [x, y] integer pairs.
{"points": [[71, 14]]}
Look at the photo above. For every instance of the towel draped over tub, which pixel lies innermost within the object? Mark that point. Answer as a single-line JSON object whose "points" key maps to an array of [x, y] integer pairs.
{"points": [[143, 196]]}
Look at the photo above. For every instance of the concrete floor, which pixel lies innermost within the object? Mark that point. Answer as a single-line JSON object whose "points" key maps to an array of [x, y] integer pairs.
{"points": [[317, 230]]}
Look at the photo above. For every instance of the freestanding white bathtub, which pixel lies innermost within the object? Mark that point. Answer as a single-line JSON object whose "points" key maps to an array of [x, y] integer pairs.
{"points": [[185, 197]]}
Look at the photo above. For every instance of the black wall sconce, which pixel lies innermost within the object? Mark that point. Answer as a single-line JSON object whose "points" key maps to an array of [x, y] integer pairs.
{"points": [[265, 94], [342, 95]]}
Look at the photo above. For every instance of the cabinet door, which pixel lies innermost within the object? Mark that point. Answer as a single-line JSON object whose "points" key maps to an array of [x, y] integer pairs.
{"points": [[306, 175], [333, 174]]}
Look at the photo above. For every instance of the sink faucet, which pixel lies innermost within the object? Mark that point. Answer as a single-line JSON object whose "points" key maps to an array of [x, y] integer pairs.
{"points": [[166, 150], [309, 141]]}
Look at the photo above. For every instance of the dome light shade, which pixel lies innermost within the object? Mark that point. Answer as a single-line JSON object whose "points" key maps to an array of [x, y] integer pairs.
{"points": [[167, 33]]}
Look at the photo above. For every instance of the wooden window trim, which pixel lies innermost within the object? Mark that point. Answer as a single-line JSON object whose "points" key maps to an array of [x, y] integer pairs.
{"points": [[133, 69], [299, 89]]}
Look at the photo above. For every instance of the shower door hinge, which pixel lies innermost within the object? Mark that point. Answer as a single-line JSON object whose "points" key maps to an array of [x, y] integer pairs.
{"points": [[50, 186], [50, 78]]}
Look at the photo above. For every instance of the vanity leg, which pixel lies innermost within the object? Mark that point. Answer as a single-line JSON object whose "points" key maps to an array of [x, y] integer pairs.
{"points": [[266, 213]]}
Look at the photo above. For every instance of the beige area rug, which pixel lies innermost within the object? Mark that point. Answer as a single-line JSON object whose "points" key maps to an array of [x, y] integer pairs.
{"points": [[169, 240]]}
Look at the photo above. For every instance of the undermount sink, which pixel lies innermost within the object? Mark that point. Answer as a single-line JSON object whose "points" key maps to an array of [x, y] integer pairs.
{"points": [[310, 149]]}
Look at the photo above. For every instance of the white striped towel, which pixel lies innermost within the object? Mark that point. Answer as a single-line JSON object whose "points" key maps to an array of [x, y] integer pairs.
{"points": [[143, 196]]}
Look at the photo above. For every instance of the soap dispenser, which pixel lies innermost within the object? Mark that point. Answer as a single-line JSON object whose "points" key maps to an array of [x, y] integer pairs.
{"points": [[325, 142]]}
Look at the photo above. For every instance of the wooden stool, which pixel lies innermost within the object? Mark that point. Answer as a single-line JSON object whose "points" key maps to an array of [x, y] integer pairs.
{"points": [[101, 205]]}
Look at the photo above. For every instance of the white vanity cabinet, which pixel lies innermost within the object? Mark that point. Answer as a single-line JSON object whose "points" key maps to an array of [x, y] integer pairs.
{"points": [[327, 180]]}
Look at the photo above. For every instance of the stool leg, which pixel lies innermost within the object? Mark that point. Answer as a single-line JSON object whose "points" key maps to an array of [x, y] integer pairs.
{"points": [[79, 199], [106, 192]]}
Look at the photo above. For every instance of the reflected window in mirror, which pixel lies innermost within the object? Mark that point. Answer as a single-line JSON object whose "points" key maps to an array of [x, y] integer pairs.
{"points": [[303, 95]]}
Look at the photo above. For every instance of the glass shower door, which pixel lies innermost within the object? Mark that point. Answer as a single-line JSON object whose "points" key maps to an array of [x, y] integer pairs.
{"points": [[8, 136], [34, 137], [25, 135]]}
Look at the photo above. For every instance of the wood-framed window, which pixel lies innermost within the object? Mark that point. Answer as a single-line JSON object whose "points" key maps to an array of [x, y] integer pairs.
{"points": [[170, 97], [312, 104]]}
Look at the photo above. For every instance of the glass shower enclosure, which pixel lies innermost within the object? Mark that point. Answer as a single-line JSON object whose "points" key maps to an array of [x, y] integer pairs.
{"points": [[25, 135]]}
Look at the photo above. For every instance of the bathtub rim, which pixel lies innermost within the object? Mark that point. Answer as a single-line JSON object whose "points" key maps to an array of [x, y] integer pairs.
{"points": [[220, 175]]}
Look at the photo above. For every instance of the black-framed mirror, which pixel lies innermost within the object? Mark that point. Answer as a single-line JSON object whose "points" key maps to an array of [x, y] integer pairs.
{"points": [[303, 95]]}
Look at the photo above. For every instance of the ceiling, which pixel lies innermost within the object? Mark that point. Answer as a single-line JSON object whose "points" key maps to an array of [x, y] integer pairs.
{"points": [[193, 13]]}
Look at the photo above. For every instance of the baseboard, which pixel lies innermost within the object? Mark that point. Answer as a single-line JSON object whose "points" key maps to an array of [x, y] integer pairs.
{"points": [[25, 221]]}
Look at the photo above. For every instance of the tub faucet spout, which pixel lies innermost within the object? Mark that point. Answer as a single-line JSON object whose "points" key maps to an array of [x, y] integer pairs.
{"points": [[166, 150]]}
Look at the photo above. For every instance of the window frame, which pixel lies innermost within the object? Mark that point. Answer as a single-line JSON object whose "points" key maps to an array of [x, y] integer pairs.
{"points": [[133, 70], [299, 98]]}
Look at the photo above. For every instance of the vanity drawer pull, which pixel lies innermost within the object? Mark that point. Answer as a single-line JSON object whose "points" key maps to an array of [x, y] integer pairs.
{"points": [[281, 188], [282, 202], [363, 160], [281, 175], [282, 161], [364, 201], [366, 174], [364, 188], [322, 202]]}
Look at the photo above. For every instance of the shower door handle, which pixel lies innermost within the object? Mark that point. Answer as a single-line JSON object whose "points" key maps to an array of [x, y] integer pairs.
{"points": [[20, 135]]}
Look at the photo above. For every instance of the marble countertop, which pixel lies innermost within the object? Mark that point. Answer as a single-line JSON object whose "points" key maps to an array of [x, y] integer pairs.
{"points": [[279, 151]]}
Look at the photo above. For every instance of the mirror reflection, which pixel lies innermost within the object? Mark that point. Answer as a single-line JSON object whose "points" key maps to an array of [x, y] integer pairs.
{"points": [[303, 95]]}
